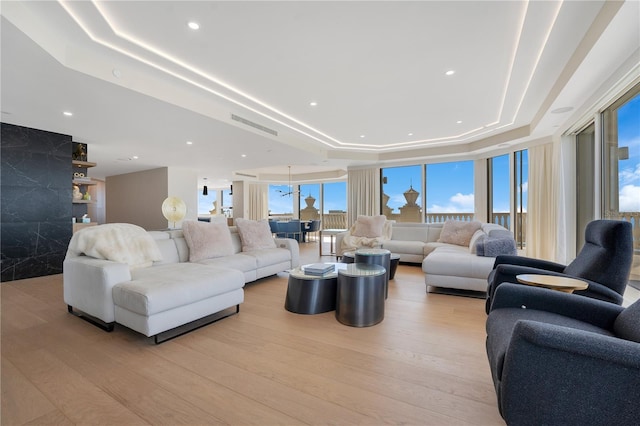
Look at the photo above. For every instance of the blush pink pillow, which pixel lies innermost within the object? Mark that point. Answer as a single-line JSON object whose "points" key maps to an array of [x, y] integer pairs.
{"points": [[369, 226], [458, 232], [255, 235], [207, 240]]}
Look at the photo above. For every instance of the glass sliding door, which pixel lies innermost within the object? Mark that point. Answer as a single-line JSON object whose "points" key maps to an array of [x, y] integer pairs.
{"points": [[621, 166]]}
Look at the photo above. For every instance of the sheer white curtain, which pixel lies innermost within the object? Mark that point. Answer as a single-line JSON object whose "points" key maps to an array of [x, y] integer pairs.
{"points": [[542, 202], [258, 201], [480, 190], [363, 193]]}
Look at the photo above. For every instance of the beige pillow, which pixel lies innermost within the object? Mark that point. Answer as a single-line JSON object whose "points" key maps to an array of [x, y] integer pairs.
{"points": [[255, 235], [369, 226], [207, 240], [458, 232]]}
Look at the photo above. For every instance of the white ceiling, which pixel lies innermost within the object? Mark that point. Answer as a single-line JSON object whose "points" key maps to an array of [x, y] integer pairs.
{"points": [[141, 83]]}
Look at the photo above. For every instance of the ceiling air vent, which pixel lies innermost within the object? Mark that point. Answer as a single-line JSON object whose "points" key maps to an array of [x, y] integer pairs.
{"points": [[246, 175], [254, 125]]}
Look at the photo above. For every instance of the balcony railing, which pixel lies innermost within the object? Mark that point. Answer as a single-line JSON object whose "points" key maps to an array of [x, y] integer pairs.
{"points": [[335, 220]]}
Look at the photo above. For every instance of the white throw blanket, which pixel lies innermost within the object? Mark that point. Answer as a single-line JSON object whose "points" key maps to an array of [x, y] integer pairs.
{"points": [[118, 242], [349, 242]]}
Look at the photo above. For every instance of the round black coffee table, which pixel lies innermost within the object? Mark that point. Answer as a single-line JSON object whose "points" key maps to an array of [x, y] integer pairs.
{"points": [[311, 294]]}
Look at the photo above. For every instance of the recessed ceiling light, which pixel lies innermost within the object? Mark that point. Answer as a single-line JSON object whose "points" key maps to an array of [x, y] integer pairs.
{"points": [[459, 122], [189, 143], [67, 113], [194, 25], [410, 134], [135, 157], [561, 110], [362, 136], [313, 103], [450, 72], [243, 155]]}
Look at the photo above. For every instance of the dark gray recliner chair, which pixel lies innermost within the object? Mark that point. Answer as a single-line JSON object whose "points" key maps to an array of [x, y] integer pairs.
{"points": [[562, 359], [604, 263]]}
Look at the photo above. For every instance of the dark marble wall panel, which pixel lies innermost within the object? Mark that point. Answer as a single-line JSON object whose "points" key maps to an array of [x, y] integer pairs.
{"points": [[35, 196]]}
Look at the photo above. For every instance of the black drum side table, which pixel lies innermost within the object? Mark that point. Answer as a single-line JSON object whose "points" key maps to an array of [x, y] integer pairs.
{"points": [[360, 295]]}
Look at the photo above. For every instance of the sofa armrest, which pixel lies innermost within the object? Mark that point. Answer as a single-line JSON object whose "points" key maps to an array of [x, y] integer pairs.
{"points": [[88, 284], [338, 246], [558, 375], [529, 262], [507, 273], [592, 311], [291, 245]]}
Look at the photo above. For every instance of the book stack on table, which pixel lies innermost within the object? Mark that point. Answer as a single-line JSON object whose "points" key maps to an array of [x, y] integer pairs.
{"points": [[319, 268]]}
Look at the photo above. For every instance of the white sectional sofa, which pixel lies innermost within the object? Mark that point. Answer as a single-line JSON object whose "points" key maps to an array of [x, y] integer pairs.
{"points": [[446, 265], [173, 291]]}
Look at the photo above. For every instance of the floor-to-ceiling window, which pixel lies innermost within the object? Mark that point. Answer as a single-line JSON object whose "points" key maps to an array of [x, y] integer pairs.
{"points": [[449, 192], [227, 203], [401, 193], [334, 205], [310, 201], [207, 203], [521, 184], [621, 166], [499, 192], [281, 200]]}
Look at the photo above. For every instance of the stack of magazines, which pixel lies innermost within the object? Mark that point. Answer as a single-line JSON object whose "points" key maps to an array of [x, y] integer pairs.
{"points": [[319, 268]]}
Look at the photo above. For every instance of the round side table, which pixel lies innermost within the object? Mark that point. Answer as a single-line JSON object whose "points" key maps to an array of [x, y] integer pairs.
{"points": [[311, 294], [376, 256], [360, 295], [350, 257]]}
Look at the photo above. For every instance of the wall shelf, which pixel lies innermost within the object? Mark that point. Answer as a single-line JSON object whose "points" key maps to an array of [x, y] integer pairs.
{"points": [[83, 201], [78, 163], [84, 182]]}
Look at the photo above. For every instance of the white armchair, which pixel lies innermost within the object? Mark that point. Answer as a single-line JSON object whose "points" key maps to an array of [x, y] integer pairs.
{"points": [[367, 231]]}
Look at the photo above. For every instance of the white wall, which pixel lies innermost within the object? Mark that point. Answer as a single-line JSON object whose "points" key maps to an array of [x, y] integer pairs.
{"points": [[137, 198], [183, 183]]}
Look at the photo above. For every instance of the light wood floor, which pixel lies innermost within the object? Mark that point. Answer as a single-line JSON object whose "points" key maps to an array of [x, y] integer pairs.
{"points": [[425, 364]]}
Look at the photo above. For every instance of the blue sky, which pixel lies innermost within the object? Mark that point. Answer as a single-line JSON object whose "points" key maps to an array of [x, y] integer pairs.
{"points": [[629, 170]]}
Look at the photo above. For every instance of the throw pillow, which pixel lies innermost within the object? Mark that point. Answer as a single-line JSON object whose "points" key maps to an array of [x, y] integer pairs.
{"points": [[255, 235], [369, 226], [458, 232], [207, 240]]}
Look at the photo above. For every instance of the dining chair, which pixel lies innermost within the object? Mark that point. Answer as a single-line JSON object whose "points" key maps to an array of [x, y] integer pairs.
{"points": [[293, 229], [314, 227]]}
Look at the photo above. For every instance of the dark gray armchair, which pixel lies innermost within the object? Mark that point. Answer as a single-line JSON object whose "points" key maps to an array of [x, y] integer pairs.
{"points": [[604, 263], [561, 359]]}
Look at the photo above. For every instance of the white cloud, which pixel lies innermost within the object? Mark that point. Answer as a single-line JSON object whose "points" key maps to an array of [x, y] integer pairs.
{"points": [[629, 175], [459, 203], [525, 186], [629, 199], [463, 200]]}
